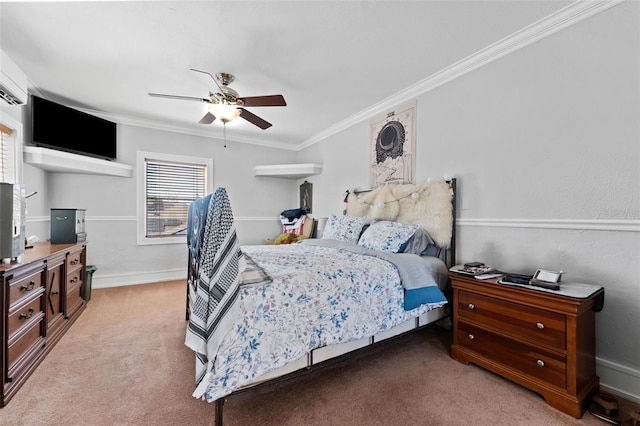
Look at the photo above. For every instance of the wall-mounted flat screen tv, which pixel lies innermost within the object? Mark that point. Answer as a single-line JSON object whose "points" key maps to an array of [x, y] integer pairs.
{"points": [[66, 129]]}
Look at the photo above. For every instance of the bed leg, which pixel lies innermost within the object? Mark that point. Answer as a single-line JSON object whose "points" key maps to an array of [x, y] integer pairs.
{"points": [[218, 414]]}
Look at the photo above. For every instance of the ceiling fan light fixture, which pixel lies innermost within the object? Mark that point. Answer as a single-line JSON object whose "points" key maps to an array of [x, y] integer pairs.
{"points": [[224, 112]]}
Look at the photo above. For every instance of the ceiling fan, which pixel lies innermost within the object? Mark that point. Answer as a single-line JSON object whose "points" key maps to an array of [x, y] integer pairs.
{"points": [[226, 104]]}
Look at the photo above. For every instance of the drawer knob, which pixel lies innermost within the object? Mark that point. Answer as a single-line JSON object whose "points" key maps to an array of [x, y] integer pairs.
{"points": [[29, 287], [27, 316], [75, 261], [472, 306], [74, 280], [471, 337], [540, 363], [540, 325]]}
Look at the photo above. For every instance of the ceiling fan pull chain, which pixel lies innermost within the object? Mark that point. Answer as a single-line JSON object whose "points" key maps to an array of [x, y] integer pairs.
{"points": [[224, 133]]}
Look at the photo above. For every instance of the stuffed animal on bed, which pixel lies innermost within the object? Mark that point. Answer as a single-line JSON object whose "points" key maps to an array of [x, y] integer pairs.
{"points": [[288, 238]]}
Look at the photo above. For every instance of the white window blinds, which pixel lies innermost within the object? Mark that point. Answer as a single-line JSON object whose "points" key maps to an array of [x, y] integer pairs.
{"points": [[170, 188], [7, 155]]}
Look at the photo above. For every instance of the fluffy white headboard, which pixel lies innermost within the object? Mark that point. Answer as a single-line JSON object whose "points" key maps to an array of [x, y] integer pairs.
{"points": [[429, 205]]}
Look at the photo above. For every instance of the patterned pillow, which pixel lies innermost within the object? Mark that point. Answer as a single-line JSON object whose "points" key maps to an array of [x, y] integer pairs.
{"points": [[343, 228], [387, 236]]}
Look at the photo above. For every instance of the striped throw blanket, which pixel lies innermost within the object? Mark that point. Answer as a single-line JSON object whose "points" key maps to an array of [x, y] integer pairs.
{"points": [[220, 263]]}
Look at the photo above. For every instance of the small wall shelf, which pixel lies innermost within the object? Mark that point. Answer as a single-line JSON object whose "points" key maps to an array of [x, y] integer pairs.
{"points": [[289, 171], [59, 161]]}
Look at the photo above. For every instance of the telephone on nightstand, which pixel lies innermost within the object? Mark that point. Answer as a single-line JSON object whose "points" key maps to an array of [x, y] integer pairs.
{"points": [[546, 279]]}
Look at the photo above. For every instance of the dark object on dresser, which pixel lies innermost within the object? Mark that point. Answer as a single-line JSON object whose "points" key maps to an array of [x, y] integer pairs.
{"points": [[67, 226]]}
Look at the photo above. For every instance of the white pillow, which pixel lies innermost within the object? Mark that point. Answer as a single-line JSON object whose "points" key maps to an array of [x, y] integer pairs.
{"points": [[343, 228], [387, 236]]}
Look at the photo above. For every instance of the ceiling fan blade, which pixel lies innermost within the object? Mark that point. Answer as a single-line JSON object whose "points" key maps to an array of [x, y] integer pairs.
{"points": [[271, 100], [254, 119], [184, 98], [207, 119]]}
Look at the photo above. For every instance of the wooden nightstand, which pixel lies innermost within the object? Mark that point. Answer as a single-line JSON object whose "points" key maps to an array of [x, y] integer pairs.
{"points": [[541, 340]]}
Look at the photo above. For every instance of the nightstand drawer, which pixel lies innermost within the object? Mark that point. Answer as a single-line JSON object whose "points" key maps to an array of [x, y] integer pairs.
{"points": [[532, 325], [531, 360]]}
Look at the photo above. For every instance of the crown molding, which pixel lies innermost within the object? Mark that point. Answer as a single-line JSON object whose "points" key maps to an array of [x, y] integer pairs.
{"points": [[563, 18]]}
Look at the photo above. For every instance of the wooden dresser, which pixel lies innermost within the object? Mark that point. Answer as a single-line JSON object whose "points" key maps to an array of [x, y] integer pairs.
{"points": [[541, 340], [41, 297]]}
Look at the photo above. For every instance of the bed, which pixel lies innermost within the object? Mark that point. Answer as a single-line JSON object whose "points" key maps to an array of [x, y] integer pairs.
{"points": [[258, 313]]}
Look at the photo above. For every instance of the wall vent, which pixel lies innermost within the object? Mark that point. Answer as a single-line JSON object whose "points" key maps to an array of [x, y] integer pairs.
{"points": [[13, 82], [9, 97]]}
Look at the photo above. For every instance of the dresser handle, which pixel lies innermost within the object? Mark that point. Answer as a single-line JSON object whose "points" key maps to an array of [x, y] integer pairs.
{"points": [[472, 306], [55, 293], [471, 337], [25, 316], [540, 325], [30, 287], [74, 280], [540, 363], [75, 261]]}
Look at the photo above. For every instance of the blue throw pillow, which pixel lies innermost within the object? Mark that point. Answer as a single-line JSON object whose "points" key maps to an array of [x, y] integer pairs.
{"points": [[387, 236]]}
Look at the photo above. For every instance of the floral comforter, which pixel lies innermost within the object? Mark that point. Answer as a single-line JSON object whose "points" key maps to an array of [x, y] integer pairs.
{"points": [[318, 296]]}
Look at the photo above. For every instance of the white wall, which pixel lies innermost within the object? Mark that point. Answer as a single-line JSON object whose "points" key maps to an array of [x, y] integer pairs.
{"points": [[545, 145], [111, 203]]}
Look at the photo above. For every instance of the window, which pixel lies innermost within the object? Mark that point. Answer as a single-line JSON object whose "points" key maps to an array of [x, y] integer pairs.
{"points": [[7, 155], [168, 184], [10, 149]]}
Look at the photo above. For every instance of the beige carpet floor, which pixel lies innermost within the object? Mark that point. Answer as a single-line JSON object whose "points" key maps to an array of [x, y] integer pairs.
{"points": [[124, 363]]}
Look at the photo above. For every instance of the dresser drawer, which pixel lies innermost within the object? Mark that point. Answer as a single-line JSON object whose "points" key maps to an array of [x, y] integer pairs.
{"points": [[25, 347], [74, 261], [74, 299], [532, 325], [531, 360], [25, 315], [24, 287], [74, 279]]}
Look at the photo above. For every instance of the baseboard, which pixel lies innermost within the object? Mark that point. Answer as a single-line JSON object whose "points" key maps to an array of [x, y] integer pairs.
{"points": [[619, 379], [117, 280]]}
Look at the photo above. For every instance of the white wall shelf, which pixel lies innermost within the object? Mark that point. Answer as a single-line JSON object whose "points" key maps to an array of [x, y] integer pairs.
{"points": [[288, 171], [59, 161]]}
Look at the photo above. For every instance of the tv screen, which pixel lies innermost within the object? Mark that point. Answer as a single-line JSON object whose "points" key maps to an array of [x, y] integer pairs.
{"points": [[66, 129]]}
